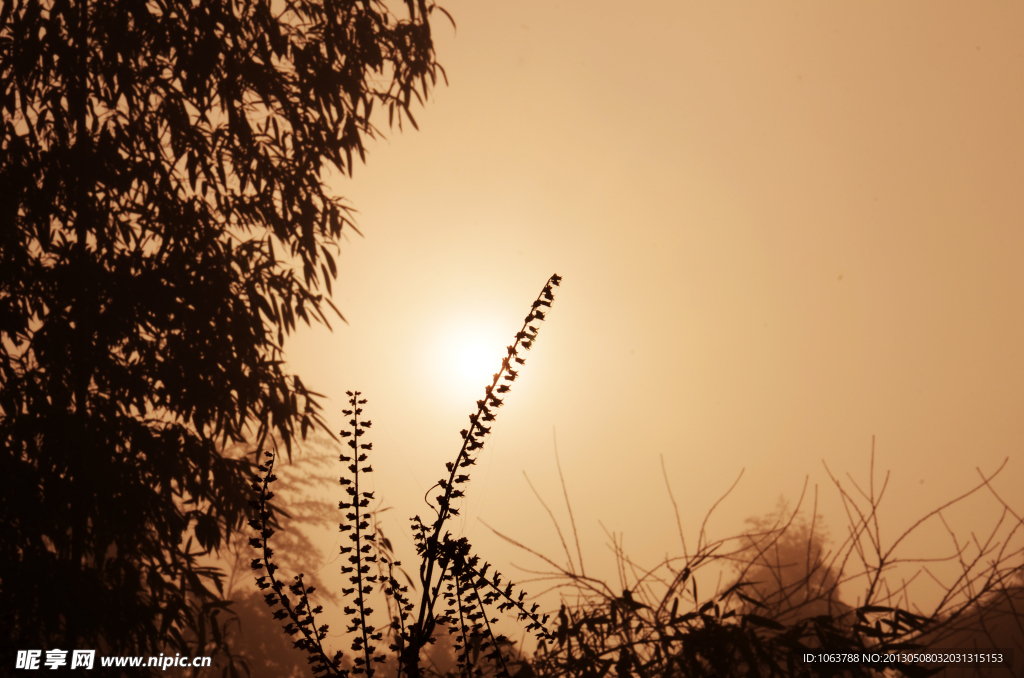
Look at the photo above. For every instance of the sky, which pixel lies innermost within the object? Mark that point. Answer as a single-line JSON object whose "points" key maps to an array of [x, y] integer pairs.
{"points": [[785, 229]]}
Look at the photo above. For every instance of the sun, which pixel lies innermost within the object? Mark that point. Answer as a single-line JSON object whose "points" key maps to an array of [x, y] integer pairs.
{"points": [[467, 351], [477, 362]]}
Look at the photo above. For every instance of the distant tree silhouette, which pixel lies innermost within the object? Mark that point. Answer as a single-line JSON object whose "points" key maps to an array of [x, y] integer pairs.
{"points": [[785, 567], [164, 224]]}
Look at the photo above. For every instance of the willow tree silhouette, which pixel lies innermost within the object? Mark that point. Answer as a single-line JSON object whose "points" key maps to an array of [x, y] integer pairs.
{"points": [[164, 224]]}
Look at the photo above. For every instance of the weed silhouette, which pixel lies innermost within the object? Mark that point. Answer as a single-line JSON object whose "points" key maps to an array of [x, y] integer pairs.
{"points": [[457, 590], [785, 603]]}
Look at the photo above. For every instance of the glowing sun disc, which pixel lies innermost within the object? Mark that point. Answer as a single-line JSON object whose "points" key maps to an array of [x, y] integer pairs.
{"points": [[478, 362]]}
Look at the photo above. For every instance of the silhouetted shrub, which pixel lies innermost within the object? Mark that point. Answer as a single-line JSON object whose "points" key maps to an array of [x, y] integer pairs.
{"points": [[784, 602]]}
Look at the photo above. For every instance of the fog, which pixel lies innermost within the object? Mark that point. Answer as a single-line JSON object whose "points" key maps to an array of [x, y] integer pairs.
{"points": [[783, 229]]}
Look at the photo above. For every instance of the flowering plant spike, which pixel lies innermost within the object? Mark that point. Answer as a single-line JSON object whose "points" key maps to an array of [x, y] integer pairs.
{"points": [[456, 590]]}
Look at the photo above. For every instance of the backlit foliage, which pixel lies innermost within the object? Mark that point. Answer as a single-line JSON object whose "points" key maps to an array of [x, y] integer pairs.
{"points": [[164, 225]]}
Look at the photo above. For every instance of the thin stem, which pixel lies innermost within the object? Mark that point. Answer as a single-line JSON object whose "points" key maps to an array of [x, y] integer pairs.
{"points": [[568, 504], [524, 339], [675, 506]]}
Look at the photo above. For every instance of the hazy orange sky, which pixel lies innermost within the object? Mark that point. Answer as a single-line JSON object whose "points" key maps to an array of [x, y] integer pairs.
{"points": [[783, 228]]}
